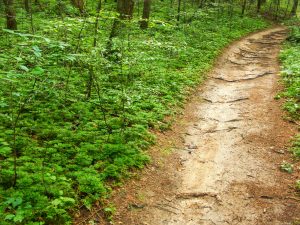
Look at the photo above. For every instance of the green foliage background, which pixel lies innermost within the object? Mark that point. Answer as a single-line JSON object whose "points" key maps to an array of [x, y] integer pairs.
{"points": [[290, 57], [68, 146]]}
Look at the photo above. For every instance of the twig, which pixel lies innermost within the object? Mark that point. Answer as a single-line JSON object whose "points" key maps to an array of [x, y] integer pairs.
{"points": [[196, 195], [244, 79], [164, 209]]}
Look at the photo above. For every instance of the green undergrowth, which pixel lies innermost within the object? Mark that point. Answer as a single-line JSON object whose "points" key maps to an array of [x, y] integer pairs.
{"points": [[290, 58], [74, 123]]}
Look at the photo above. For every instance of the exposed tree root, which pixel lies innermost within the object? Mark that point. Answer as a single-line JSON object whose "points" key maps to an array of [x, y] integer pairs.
{"points": [[233, 120], [237, 100], [244, 79], [248, 51], [231, 101], [238, 63], [208, 100], [227, 129], [192, 195], [264, 42], [165, 209], [252, 56], [167, 205]]}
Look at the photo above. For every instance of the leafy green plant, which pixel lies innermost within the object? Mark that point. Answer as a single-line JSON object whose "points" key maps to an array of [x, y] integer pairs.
{"points": [[298, 185], [109, 211], [287, 167], [290, 57], [296, 146], [294, 35]]}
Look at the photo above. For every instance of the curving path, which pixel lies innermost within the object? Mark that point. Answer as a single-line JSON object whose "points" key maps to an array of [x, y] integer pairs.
{"points": [[226, 169]]}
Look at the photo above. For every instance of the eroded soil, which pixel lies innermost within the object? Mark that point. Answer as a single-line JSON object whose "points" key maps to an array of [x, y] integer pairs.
{"points": [[220, 162]]}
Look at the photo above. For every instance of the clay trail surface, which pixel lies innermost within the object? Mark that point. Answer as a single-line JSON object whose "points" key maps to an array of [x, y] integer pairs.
{"points": [[229, 145]]}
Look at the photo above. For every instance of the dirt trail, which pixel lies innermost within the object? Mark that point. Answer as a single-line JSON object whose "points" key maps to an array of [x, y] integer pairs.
{"points": [[226, 170]]}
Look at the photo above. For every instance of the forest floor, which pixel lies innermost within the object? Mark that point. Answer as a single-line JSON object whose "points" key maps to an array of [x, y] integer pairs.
{"points": [[220, 162]]}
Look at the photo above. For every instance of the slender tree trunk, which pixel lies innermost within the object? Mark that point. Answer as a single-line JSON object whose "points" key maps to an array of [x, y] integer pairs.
{"points": [[244, 7], [178, 11], [231, 10], [271, 6], [79, 4], [287, 8], [201, 4], [26, 6], [37, 3], [125, 8], [294, 8], [146, 14], [277, 9], [89, 84], [99, 6], [259, 2], [184, 11], [11, 22]]}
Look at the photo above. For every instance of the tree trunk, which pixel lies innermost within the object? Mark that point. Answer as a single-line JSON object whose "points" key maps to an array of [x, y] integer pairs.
{"points": [[294, 8], [146, 14], [178, 11], [258, 6], [201, 4], [37, 3], [79, 4], [287, 8], [277, 9], [26, 6], [125, 8], [99, 6], [244, 7], [11, 22]]}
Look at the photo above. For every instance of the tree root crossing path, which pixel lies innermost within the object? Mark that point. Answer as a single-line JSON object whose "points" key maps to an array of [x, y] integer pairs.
{"points": [[229, 145]]}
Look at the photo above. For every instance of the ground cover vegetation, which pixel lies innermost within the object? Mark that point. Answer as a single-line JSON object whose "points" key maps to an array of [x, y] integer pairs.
{"points": [[82, 83], [290, 58]]}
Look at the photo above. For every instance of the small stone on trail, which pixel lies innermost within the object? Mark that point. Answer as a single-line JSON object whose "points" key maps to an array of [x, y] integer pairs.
{"points": [[280, 151], [136, 206], [192, 146], [265, 210]]}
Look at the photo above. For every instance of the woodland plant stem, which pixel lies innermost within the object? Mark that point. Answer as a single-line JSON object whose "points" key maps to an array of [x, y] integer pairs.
{"points": [[70, 65], [97, 22], [15, 125]]}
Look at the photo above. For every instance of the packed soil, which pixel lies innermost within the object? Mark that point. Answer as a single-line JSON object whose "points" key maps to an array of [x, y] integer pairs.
{"points": [[220, 162]]}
